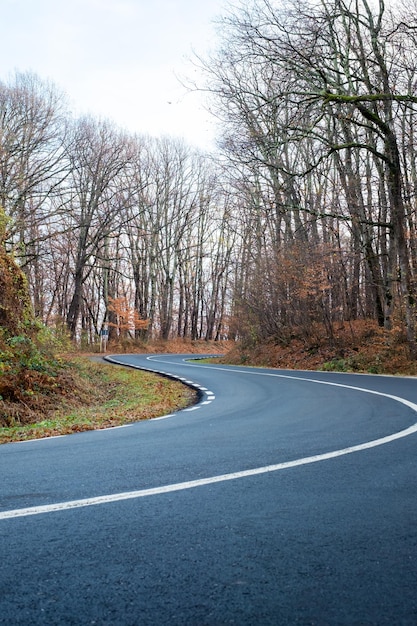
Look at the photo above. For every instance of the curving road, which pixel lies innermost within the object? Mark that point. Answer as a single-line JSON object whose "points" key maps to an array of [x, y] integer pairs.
{"points": [[281, 498]]}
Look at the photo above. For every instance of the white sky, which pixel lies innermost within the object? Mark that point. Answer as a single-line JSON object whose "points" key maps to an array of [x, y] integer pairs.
{"points": [[117, 58]]}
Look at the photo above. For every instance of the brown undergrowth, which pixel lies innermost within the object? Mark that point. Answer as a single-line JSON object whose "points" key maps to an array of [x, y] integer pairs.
{"points": [[359, 346], [76, 394], [86, 395], [171, 346]]}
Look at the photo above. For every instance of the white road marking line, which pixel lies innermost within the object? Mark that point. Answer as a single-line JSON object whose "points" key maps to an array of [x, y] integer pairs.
{"points": [[101, 430], [163, 417], [49, 508], [40, 439], [142, 493], [253, 372]]}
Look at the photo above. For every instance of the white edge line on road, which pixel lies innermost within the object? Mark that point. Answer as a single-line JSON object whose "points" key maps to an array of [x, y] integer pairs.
{"points": [[142, 493], [254, 372], [163, 417], [129, 495]]}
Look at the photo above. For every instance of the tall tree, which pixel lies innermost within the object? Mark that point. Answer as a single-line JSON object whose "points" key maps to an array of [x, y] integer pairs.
{"points": [[334, 76], [98, 154]]}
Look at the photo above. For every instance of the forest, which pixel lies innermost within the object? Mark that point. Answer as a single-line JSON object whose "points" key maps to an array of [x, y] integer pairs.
{"points": [[304, 218]]}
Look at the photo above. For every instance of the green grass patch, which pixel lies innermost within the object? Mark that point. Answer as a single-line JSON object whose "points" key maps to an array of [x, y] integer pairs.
{"points": [[100, 395], [211, 359]]}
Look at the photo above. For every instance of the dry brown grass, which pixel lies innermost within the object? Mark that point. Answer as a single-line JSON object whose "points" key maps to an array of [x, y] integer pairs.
{"points": [[81, 395], [91, 395], [172, 346], [359, 346]]}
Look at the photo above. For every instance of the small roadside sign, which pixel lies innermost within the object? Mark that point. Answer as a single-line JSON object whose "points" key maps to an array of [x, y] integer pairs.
{"points": [[104, 337]]}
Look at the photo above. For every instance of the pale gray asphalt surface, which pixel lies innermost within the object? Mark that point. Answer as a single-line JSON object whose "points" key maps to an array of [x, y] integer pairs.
{"points": [[334, 542]]}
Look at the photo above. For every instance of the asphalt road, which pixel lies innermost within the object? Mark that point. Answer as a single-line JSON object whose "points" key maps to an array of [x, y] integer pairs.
{"points": [[281, 498]]}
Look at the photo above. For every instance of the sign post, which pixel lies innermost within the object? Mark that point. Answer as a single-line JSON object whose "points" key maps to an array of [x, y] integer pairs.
{"points": [[104, 336]]}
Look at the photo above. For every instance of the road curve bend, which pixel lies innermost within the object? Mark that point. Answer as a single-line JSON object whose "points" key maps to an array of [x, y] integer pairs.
{"points": [[280, 498]]}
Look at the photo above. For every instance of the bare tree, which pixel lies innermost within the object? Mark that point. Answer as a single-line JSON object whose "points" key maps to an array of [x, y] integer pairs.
{"points": [[98, 155], [33, 126], [311, 84]]}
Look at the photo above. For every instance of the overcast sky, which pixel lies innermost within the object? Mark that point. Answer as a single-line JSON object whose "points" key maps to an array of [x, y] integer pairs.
{"points": [[117, 58]]}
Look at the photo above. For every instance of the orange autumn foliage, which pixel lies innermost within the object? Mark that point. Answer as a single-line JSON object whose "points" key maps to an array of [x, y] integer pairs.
{"points": [[128, 318]]}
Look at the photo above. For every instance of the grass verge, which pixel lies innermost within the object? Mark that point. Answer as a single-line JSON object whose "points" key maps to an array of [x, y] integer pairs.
{"points": [[100, 395]]}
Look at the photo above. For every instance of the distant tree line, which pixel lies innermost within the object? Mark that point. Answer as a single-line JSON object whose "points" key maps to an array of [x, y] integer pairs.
{"points": [[98, 215], [307, 215]]}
